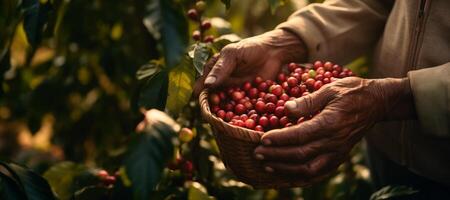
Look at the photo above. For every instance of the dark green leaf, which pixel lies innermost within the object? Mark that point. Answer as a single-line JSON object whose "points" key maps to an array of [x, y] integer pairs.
{"points": [[389, 192], [167, 24], [35, 186], [35, 17], [68, 177], [201, 55], [149, 153], [32, 185], [227, 3], [181, 82], [9, 189], [152, 94], [10, 185]]}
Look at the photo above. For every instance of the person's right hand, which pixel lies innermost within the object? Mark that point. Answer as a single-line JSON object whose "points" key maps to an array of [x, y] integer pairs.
{"points": [[261, 55]]}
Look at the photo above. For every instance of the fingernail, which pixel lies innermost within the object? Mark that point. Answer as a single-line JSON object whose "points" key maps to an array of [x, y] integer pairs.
{"points": [[259, 156], [268, 169], [210, 80], [290, 105], [267, 142]]}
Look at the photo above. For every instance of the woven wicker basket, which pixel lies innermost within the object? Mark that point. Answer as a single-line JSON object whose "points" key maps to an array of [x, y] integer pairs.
{"points": [[236, 146]]}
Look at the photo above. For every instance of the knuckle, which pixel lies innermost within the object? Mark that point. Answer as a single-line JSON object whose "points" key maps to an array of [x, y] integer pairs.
{"points": [[228, 48]]}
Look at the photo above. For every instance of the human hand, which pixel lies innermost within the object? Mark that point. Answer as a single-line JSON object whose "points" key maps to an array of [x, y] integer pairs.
{"points": [[262, 55], [347, 107]]}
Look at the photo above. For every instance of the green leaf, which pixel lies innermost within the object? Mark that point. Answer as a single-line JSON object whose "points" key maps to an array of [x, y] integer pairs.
{"points": [[389, 192], [149, 70], [198, 192], [181, 82], [149, 153], [201, 55], [66, 178], [10, 186], [153, 93], [227, 3], [9, 189], [35, 186], [32, 185], [167, 24]]}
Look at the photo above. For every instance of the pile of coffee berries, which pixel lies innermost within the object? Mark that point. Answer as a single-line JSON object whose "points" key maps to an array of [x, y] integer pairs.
{"points": [[195, 14], [259, 105]]}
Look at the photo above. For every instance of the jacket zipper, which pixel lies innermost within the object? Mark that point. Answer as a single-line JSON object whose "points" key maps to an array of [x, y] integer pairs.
{"points": [[412, 62], [417, 34]]}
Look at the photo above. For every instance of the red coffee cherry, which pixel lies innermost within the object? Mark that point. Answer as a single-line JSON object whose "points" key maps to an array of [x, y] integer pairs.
{"points": [[274, 123], [292, 82], [292, 67], [318, 64], [263, 121], [239, 109], [250, 123], [258, 80], [259, 128], [196, 35], [276, 90], [270, 107], [206, 25], [260, 107], [209, 38], [192, 14]]}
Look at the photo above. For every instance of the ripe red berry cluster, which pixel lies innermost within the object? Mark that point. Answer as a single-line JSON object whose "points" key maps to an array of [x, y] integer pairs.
{"points": [[259, 105], [195, 15]]}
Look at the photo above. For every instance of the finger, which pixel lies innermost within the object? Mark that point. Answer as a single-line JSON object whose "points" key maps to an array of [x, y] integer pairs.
{"points": [[299, 134], [222, 69], [289, 153], [199, 84], [310, 104], [317, 167]]}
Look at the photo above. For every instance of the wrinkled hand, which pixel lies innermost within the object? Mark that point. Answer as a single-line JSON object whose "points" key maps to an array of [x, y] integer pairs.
{"points": [[318, 146], [261, 55]]}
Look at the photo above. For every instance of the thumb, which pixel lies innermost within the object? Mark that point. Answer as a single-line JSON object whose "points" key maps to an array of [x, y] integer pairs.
{"points": [[221, 70], [309, 104]]}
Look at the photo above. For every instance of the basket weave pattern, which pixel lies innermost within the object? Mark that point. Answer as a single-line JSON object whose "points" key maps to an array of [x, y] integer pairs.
{"points": [[236, 146]]}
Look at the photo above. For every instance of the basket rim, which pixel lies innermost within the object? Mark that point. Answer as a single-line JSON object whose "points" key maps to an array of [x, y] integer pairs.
{"points": [[254, 136]]}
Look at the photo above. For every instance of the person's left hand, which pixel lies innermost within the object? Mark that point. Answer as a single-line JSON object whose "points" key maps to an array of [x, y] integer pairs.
{"points": [[347, 107]]}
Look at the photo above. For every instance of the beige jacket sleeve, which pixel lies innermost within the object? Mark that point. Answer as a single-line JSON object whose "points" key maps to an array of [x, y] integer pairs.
{"points": [[339, 30], [431, 90]]}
